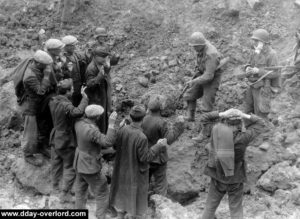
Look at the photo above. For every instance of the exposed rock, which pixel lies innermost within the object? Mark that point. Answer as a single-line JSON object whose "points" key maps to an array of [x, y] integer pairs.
{"points": [[296, 195], [185, 182], [264, 146], [36, 178], [255, 4], [172, 63], [279, 176], [166, 209], [143, 81]]}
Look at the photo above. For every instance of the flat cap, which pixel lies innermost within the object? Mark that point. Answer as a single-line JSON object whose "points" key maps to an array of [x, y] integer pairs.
{"points": [[69, 40], [42, 57], [93, 110], [138, 111], [54, 44]]}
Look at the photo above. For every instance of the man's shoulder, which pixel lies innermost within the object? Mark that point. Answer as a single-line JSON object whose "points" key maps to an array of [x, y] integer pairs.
{"points": [[30, 72], [133, 132], [212, 50]]}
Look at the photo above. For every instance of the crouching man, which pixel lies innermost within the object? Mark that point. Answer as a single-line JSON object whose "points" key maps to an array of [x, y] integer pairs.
{"points": [[226, 164], [62, 139], [87, 161]]}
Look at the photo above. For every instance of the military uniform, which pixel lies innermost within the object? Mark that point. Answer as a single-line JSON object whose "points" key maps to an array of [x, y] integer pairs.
{"points": [[207, 77], [259, 95], [87, 163], [155, 128], [233, 185], [62, 139]]}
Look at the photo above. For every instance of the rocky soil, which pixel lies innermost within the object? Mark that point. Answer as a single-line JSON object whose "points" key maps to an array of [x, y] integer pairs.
{"points": [[151, 37]]}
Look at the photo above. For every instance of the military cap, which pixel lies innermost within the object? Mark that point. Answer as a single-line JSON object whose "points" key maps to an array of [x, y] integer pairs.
{"points": [[69, 40], [100, 31], [42, 57], [93, 110], [54, 44], [138, 111]]}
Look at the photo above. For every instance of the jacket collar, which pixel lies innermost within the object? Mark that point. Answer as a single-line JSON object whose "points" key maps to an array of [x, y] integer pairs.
{"points": [[133, 125]]}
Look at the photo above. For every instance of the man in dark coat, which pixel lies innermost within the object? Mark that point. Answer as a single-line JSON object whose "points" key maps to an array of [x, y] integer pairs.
{"points": [[62, 138], [87, 161], [36, 82], [155, 128], [130, 181], [99, 86], [261, 91], [206, 80], [231, 184], [74, 66]]}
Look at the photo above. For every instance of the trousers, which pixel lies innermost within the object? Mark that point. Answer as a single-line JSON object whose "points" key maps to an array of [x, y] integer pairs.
{"points": [[159, 173], [216, 192]]}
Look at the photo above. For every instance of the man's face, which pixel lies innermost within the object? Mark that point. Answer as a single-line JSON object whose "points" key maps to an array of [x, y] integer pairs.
{"points": [[70, 93], [199, 48], [100, 60], [54, 52], [70, 49], [101, 39]]}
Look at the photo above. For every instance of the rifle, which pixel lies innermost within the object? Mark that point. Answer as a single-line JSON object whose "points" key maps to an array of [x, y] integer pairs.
{"points": [[222, 63], [271, 68]]}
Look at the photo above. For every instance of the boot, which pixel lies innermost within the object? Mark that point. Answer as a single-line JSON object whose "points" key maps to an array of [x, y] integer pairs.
{"points": [[33, 160], [190, 111], [45, 151]]}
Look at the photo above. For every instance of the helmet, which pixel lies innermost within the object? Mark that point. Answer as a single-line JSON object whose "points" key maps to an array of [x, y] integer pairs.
{"points": [[54, 44], [197, 39], [42, 57], [261, 35], [69, 40], [100, 31]]}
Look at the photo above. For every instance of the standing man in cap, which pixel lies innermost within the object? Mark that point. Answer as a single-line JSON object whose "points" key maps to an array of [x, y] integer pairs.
{"points": [[74, 66], [36, 82], [99, 87], [54, 48], [62, 139], [226, 165], [155, 128], [264, 83], [130, 181], [206, 80], [87, 161]]}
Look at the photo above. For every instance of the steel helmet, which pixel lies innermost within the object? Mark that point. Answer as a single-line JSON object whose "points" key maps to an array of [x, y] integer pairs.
{"points": [[54, 44], [42, 57], [100, 31], [261, 35], [197, 39], [69, 40]]}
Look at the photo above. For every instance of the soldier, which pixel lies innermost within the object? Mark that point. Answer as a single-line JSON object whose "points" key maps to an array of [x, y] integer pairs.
{"points": [[155, 128], [130, 181], [264, 84], [206, 80], [36, 82], [226, 165], [74, 66], [62, 138], [98, 82], [87, 161]]}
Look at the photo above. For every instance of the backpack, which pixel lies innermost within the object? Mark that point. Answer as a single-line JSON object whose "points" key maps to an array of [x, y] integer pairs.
{"points": [[18, 74], [221, 152]]}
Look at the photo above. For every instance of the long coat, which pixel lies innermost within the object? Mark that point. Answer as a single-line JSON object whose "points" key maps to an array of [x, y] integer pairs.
{"points": [[99, 91], [130, 181]]}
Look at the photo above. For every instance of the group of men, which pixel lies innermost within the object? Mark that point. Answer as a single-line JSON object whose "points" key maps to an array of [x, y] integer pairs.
{"points": [[72, 91]]}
